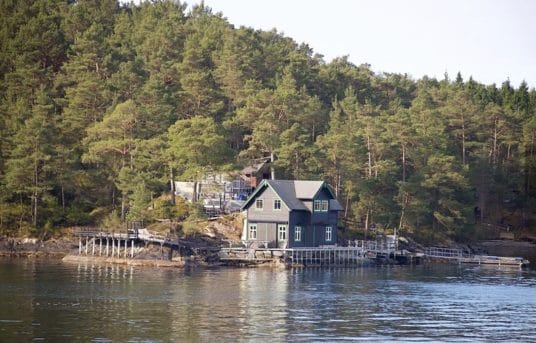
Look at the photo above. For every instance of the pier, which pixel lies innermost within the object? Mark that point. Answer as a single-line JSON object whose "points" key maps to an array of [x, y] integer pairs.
{"points": [[459, 256], [120, 245], [356, 253]]}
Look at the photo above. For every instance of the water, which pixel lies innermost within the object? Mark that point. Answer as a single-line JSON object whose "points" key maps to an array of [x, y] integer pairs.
{"points": [[55, 302]]}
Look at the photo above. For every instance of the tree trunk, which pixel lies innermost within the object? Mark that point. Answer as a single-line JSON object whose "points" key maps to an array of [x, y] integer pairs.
{"points": [[369, 157], [403, 163], [463, 141], [123, 207], [172, 184], [347, 203], [272, 170], [35, 192], [494, 155], [194, 195], [62, 196]]}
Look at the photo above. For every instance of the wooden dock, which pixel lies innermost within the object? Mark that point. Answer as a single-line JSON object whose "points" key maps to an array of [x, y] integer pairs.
{"points": [[356, 253], [119, 245], [458, 256]]}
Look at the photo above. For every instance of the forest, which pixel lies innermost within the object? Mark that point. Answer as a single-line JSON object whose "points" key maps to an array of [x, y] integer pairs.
{"points": [[101, 101]]}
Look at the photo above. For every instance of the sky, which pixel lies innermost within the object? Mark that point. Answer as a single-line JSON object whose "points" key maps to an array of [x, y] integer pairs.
{"points": [[490, 40]]}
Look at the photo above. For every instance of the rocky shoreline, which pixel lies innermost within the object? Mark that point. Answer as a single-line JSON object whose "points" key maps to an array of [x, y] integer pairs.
{"points": [[34, 248], [67, 249]]}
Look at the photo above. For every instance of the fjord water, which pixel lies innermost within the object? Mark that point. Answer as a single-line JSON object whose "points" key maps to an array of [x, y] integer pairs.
{"points": [[56, 302]]}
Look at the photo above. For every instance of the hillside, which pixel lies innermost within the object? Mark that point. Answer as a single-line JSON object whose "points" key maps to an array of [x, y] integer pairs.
{"points": [[101, 103]]}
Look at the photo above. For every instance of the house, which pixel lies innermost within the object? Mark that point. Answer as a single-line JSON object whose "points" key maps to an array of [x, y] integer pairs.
{"points": [[225, 192], [258, 170], [290, 214]]}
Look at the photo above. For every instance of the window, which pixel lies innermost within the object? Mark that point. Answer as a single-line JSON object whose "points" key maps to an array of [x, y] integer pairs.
{"points": [[328, 233], [259, 204], [297, 234], [253, 231], [277, 204], [282, 233], [321, 205]]}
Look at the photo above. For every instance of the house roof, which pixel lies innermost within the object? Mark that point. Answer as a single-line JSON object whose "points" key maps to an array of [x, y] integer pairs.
{"points": [[292, 192], [256, 167]]}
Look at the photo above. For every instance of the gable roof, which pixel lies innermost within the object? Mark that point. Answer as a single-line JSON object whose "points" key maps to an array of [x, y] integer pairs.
{"points": [[292, 192]]}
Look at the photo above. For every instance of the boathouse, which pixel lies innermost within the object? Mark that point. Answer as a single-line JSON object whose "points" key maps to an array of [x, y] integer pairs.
{"points": [[290, 214]]}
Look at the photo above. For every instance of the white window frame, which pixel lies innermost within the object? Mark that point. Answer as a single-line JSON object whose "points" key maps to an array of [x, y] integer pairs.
{"points": [[252, 231], [329, 233], [321, 205], [257, 202], [297, 233], [282, 234], [279, 202]]}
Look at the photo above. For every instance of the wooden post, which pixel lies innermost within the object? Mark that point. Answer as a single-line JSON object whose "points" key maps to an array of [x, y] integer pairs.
{"points": [[79, 245], [107, 245], [132, 249], [93, 248], [87, 240], [113, 246], [100, 244]]}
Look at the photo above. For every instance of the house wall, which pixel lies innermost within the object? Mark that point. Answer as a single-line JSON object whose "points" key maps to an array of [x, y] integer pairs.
{"points": [[268, 218], [268, 214], [320, 218], [313, 223], [298, 218], [313, 234]]}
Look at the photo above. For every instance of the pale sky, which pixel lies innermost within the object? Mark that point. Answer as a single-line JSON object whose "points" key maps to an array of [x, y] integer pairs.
{"points": [[491, 40]]}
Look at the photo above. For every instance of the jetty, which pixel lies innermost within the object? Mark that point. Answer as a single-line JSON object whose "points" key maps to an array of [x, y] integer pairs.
{"points": [[122, 244], [459, 256], [356, 253], [127, 245]]}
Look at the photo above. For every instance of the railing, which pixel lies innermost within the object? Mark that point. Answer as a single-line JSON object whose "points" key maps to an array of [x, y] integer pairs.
{"points": [[142, 234], [445, 252], [374, 246]]}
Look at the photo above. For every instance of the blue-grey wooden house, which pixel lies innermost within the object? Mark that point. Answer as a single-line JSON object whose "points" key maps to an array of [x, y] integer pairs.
{"points": [[290, 213]]}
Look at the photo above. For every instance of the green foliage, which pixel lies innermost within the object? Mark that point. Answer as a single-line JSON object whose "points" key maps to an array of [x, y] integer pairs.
{"points": [[112, 222], [99, 100]]}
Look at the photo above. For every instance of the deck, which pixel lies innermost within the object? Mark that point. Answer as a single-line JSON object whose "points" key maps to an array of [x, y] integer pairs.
{"points": [[356, 253], [458, 256]]}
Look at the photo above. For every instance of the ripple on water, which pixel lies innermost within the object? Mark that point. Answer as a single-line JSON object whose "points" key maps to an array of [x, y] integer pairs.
{"points": [[117, 303]]}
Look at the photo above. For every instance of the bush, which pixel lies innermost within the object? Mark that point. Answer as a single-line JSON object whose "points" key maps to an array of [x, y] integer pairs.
{"points": [[112, 221]]}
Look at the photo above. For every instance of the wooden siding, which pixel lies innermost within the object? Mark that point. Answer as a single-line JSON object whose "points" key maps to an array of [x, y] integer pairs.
{"points": [[313, 224], [268, 214]]}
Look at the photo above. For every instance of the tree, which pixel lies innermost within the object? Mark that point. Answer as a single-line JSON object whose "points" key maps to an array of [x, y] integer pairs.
{"points": [[28, 167], [196, 146], [111, 143]]}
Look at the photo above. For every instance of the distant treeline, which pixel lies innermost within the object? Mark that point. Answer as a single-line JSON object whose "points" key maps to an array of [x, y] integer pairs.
{"points": [[100, 101]]}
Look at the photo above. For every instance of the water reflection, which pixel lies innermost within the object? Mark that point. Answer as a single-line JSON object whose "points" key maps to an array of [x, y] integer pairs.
{"points": [[92, 302]]}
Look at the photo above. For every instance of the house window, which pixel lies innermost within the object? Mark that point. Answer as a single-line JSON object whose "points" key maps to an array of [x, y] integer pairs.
{"points": [[259, 204], [328, 233], [277, 204], [282, 233], [321, 205], [253, 231], [297, 234]]}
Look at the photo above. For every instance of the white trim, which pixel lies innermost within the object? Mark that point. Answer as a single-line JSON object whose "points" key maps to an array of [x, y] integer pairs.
{"points": [[297, 233], [252, 231], [329, 234], [280, 202]]}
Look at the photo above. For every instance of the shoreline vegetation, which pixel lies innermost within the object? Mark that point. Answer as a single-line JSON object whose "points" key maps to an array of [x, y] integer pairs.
{"points": [[105, 104]]}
